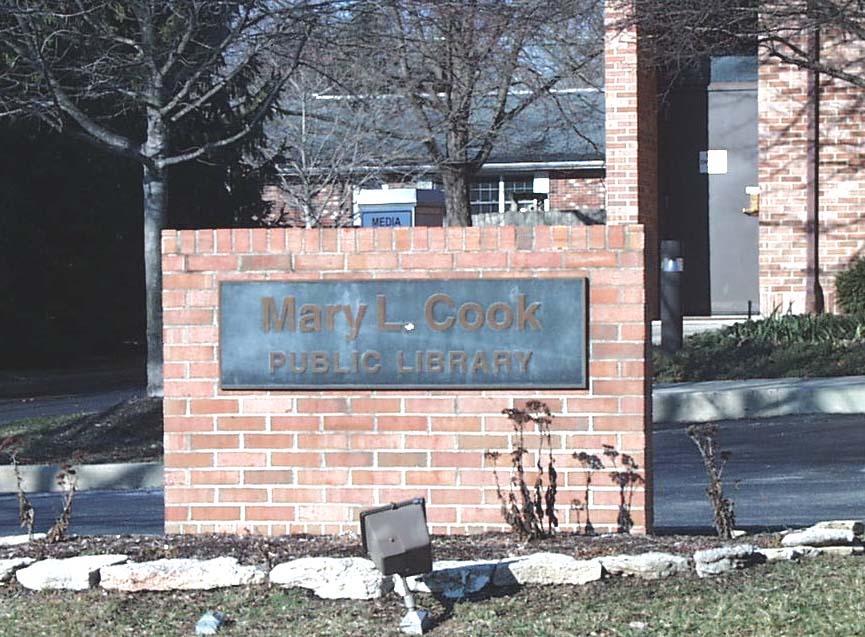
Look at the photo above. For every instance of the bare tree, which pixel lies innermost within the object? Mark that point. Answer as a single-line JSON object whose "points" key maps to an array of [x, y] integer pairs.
{"points": [[465, 70], [326, 144], [130, 76], [681, 33]]}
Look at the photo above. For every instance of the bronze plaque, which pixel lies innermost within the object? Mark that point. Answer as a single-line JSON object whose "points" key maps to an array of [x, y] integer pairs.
{"points": [[432, 333]]}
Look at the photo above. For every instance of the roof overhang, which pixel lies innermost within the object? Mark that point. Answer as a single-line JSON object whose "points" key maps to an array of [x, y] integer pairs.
{"points": [[494, 167], [525, 166]]}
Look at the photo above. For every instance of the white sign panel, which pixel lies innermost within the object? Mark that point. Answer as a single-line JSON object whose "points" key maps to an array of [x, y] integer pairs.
{"points": [[713, 162]]}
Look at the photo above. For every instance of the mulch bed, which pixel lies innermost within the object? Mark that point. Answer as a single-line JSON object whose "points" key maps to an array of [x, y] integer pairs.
{"points": [[273, 550]]}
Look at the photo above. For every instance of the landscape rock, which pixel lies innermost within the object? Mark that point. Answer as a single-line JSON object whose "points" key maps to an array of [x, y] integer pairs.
{"points": [[72, 573], [815, 536], [788, 553], [547, 568], [209, 623], [16, 540], [455, 579], [333, 578], [726, 558], [653, 565], [853, 549], [855, 526], [8, 567], [180, 574]]}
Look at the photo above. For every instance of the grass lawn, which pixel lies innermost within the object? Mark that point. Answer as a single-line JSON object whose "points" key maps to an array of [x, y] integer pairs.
{"points": [[36, 427], [128, 432], [820, 596]]}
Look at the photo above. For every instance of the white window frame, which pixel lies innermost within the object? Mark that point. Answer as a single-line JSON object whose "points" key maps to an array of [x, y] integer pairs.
{"points": [[538, 179]]}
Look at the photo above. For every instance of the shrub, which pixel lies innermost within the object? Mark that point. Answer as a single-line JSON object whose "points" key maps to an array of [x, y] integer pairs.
{"points": [[66, 480], [627, 480], [714, 461], [781, 345], [792, 329], [850, 288], [26, 512], [526, 509], [590, 463], [624, 475]]}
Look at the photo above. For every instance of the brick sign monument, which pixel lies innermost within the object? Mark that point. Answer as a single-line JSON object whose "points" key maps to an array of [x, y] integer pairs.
{"points": [[310, 374]]}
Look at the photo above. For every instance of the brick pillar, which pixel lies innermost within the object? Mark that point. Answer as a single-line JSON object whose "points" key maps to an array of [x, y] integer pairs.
{"points": [[632, 169], [632, 135]]}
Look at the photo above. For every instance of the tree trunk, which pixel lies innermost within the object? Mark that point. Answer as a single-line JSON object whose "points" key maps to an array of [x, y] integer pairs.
{"points": [[814, 302], [155, 206], [456, 185]]}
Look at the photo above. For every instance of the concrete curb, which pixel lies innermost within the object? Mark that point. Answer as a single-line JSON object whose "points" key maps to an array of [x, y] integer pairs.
{"points": [[114, 476], [735, 399]]}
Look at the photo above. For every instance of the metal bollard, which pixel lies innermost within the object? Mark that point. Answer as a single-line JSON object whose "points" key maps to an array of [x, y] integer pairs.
{"points": [[672, 267]]}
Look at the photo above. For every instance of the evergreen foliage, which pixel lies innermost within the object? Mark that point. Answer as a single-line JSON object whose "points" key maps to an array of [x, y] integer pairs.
{"points": [[850, 288]]}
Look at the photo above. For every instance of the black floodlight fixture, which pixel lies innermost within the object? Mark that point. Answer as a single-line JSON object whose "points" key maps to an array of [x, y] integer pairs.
{"points": [[397, 540]]}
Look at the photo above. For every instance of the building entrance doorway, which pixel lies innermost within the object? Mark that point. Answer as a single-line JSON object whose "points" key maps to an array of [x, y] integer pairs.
{"points": [[708, 173]]}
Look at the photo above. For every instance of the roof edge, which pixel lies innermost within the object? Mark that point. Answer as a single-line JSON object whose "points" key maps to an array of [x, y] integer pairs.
{"points": [[580, 164]]}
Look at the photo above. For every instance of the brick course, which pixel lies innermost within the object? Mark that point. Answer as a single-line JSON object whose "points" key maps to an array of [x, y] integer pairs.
{"points": [[310, 461]]}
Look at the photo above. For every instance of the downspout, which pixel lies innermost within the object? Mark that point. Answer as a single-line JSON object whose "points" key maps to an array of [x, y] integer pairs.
{"points": [[814, 302]]}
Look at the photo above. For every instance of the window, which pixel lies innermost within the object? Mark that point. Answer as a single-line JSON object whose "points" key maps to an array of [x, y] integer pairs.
{"points": [[498, 194], [484, 196], [515, 186]]}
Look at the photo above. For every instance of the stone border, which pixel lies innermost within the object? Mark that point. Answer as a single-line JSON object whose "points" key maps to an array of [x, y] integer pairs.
{"points": [[357, 578]]}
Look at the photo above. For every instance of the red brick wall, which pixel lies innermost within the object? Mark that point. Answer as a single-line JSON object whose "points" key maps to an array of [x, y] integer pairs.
{"points": [[783, 91], [573, 191], [631, 121], [333, 207], [310, 461]]}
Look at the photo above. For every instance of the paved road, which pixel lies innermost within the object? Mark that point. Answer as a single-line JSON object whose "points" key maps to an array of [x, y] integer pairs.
{"points": [[93, 512], [20, 408], [793, 470]]}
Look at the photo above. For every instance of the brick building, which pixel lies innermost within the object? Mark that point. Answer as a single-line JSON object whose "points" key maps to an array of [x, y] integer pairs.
{"points": [[724, 153], [547, 168], [838, 148], [743, 149]]}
